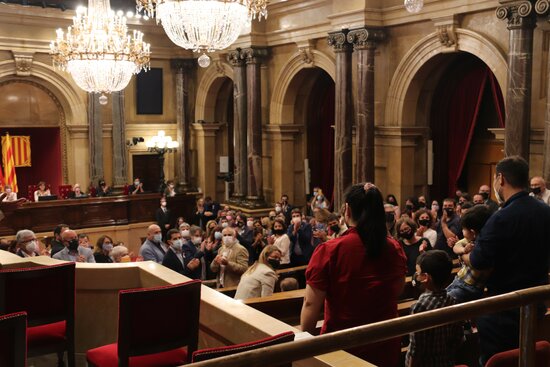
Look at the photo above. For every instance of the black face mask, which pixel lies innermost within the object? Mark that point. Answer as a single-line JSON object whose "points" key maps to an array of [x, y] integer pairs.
{"points": [[73, 245], [335, 228], [409, 207], [278, 231], [421, 205], [424, 222], [485, 195], [449, 211], [274, 263], [407, 235], [536, 190], [390, 217]]}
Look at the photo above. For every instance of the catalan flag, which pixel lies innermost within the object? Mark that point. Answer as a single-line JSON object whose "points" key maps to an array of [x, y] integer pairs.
{"points": [[21, 147], [9, 163]]}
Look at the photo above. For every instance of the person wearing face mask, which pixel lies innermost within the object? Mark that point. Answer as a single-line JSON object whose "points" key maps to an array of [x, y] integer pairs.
{"points": [[176, 259], [73, 251], [389, 211], [411, 206], [10, 195], [191, 249], [335, 229], [538, 189], [514, 245], [279, 239], [391, 199], [231, 261], [170, 189], [102, 250], [136, 187], [259, 280], [210, 247], [286, 208], [424, 221], [27, 244], [448, 229], [422, 203], [163, 217], [152, 249], [485, 191], [410, 242], [300, 233], [245, 235]]}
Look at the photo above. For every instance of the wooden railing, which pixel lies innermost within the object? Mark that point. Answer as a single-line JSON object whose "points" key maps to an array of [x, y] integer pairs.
{"points": [[527, 299]]}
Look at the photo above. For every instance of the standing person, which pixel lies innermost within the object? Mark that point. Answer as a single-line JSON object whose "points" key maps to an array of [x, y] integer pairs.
{"points": [[280, 239], [286, 208], [175, 259], [358, 276], [231, 261], [163, 217], [425, 221], [448, 229], [136, 187], [412, 244], [485, 191], [538, 189], [259, 280], [514, 244], [299, 232], [153, 248]]}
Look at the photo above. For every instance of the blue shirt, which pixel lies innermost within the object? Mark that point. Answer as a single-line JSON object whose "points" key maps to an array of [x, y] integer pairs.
{"points": [[515, 243]]}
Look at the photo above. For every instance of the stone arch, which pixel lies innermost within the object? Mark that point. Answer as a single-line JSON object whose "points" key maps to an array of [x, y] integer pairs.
{"points": [[71, 103], [211, 82], [284, 96], [406, 83]]}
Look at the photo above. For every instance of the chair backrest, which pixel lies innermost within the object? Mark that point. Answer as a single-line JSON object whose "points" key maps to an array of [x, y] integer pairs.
{"points": [[45, 293], [30, 193], [211, 353], [510, 358], [126, 190], [64, 191], [145, 326], [93, 191], [13, 339]]}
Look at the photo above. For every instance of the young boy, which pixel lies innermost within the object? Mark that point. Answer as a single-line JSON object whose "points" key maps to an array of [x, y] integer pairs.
{"points": [[469, 283], [434, 347]]}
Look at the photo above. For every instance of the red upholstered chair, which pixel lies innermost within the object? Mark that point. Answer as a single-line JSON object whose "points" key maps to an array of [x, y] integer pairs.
{"points": [[93, 191], [30, 192], [64, 191], [211, 353], [126, 190], [148, 335], [13, 339], [47, 295], [510, 358]]}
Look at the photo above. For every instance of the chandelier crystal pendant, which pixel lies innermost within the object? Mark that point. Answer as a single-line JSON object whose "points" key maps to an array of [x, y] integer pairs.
{"points": [[97, 50], [414, 6], [203, 25]]}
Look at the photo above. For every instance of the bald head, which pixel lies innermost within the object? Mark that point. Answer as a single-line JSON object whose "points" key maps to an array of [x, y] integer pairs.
{"points": [[152, 230], [68, 236], [229, 231], [538, 185]]}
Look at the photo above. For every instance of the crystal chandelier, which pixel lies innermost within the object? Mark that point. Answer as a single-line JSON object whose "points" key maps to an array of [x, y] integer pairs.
{"points": [[414, 6], [203, 25], [97, 51]]}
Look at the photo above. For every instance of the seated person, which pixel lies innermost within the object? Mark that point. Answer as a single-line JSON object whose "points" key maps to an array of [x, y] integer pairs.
{"points": [[259, 280], [288, 284], [77, 192], [136, 187], [56, 244], [103, 189], [84, 240], [72, 250], [120, 254], [102, 250], [10, 195], [27, 244], [42, 191]]}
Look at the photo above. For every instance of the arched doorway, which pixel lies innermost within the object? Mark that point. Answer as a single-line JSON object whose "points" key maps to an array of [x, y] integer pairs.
{"points": [[467, 102]]}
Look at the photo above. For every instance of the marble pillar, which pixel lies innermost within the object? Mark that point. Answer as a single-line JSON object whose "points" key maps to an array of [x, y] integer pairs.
{"points": [[521, 19], [120, 157], [207, 149], [253, 58], [184, 76], [239, 126], [343, 116], [95, 131], [364, 42], [543, 8]]}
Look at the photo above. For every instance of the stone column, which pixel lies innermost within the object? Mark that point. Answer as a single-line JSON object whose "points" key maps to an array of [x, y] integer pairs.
{"points": [[185, 73], [343, 116], [253, 58], [95, 131], [364, 41], [239, 126], [206, 150], [543, 8], [120, 158], [521, 19]]}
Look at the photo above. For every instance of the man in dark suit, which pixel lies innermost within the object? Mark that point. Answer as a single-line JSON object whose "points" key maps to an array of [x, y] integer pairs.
{"points": [[163, 218], [175, 258], [57, 243]]}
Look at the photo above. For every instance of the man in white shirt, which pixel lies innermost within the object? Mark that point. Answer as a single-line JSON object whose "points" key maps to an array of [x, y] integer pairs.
{"points": [[538, 189]]}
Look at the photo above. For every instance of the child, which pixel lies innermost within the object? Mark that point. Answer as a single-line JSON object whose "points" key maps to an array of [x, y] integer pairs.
{"points": [[434, 347], [469, 283]]}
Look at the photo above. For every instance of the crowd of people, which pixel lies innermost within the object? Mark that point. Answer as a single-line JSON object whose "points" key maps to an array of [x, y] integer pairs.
{"points": [[357, 258]]}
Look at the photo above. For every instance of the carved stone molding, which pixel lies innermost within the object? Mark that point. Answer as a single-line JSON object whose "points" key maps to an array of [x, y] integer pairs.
{"points": [[366, 37], [447, 31], [542, 7], [183, 65], [23, 63], [218, 64], [338, 41], [254, 55], [234, 57], [520, 14]]}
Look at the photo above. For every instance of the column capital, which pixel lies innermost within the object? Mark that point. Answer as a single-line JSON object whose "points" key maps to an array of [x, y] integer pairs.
{"points": [[183, 65], [253, 55], [366, 37], [519, 14], [542, 7], [338, 41], [234, 58]]}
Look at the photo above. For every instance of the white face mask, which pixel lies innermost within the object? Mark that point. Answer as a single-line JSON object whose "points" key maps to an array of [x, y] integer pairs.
{"points": [[158, 237], [197, 240], [228, 240], [296, 220], [32, 246], [497, 194], [225, 224], [278, 209], [250, 224], [177, 245], [136, 183], [185, 233]]}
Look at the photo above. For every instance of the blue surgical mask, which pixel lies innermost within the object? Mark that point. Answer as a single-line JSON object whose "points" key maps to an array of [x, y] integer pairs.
{"points": [[218, 235], [177, 245], [107, 247], [158, 237]]}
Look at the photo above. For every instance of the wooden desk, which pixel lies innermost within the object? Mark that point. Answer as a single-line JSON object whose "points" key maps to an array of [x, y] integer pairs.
{"points": [[43, 216]]}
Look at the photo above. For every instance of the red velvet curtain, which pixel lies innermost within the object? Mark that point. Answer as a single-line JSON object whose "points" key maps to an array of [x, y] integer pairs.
{"points": [[498, 100], [462, 119]]}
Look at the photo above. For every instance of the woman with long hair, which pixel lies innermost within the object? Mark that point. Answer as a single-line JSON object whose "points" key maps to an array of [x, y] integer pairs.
{"points": [[102, 249], [259, 280], [357, 276]]}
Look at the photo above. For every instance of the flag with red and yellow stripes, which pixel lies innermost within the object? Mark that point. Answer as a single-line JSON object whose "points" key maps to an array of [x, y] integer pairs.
{"points": [[21, 148], [9, 163]]}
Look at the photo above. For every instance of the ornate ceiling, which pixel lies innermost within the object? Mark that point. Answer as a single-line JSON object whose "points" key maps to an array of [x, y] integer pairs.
{"points": [[126, 5]]}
